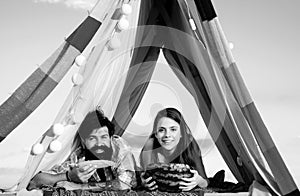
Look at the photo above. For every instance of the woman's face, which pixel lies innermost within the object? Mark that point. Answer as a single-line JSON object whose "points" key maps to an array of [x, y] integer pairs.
{"points": [[168, 133]]}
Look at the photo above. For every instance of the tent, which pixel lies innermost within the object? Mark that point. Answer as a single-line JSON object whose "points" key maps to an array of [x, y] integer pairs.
{"points": [[191, 39]]}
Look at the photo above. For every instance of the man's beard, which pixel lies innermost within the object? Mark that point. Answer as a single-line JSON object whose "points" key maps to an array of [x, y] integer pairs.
{"points": [[90, 154]]}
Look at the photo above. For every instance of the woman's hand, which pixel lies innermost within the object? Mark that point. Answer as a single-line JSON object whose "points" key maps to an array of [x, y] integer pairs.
{"points": [[81, 174], [189, 183], [146, 182]]}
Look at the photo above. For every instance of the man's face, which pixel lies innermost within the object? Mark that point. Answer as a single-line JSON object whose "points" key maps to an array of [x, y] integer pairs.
{"points": [[98, 143]]}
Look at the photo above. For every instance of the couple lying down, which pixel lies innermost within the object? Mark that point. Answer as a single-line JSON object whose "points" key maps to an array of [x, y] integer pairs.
{"points": [[105, 160]]}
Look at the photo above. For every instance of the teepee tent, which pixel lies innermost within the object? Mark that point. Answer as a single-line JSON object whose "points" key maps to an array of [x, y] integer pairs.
{"points": [[122, 41]]}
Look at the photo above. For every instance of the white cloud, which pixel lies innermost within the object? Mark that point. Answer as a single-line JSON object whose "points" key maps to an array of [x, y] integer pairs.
{"points": [[49, 1], [77, 4], [81, 4]]}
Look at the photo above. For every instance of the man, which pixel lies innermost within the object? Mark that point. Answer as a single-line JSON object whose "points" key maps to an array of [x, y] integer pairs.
{"points": [[98, 143]]}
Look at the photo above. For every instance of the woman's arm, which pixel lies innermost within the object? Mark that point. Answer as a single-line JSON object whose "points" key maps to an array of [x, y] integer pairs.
{"points": [[189, 183]]}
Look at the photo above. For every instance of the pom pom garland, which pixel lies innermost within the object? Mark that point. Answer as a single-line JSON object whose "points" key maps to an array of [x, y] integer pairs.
{"points": [[37, 149], [126, 9], [114, 43], [77, 79], [55, 146], [58, 129], [123, 24], [80, 60]]}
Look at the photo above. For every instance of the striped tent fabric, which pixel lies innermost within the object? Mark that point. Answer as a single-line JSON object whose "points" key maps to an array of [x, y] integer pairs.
{"points": [[221, 53], [196, 73], [137, 81], [45, 78], [56, 67], [239, 134], [98, 79]]}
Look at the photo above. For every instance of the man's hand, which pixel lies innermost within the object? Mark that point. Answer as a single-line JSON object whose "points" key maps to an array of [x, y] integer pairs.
{"points": [[81, 174], [189, 183]]}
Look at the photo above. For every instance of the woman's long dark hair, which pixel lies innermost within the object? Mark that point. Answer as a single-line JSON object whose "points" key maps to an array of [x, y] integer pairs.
{"points": [[187, 151]]}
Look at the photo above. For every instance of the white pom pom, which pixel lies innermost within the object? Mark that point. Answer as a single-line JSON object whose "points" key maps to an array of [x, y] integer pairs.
{"points": [[114, 43], [77, 79], [77, 118], [58, 129], [123, 24], [37, 149], [80, 60], [126, 9], [55, 146], [192, 23], [231, 46]]}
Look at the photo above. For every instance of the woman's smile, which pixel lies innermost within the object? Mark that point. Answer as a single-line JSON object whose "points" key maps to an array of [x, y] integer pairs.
{"points": [[167, 141]]}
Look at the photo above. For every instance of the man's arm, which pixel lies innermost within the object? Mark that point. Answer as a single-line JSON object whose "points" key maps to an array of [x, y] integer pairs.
{"points": [[75, 174], [45, 179], [126, 172]]}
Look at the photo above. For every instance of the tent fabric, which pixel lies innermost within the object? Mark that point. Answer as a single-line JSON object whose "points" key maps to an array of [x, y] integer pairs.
{"points": [[84, 33], [232, 120], [221, 52], [35, 89], [188, 69], [103, 71], [40, 84], [117, 79], [138, 77], [257, 189], [244, 176]]}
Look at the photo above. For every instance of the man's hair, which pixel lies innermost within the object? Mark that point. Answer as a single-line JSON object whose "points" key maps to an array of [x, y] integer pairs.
{"points": [[95, 120]]}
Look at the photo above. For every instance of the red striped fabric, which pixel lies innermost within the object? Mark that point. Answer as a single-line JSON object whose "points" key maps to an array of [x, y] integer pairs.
{"points": [[41, 82], [282, 182]]}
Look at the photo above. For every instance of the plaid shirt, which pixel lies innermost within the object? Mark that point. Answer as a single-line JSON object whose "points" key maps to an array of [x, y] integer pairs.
{"points": [[123, 171]]}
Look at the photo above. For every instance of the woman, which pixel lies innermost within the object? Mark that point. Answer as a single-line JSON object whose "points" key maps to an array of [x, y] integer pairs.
{"points": [[171, 141]]}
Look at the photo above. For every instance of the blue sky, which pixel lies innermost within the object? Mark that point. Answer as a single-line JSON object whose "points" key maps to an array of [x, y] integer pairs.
{"points": [[266, 42]]}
